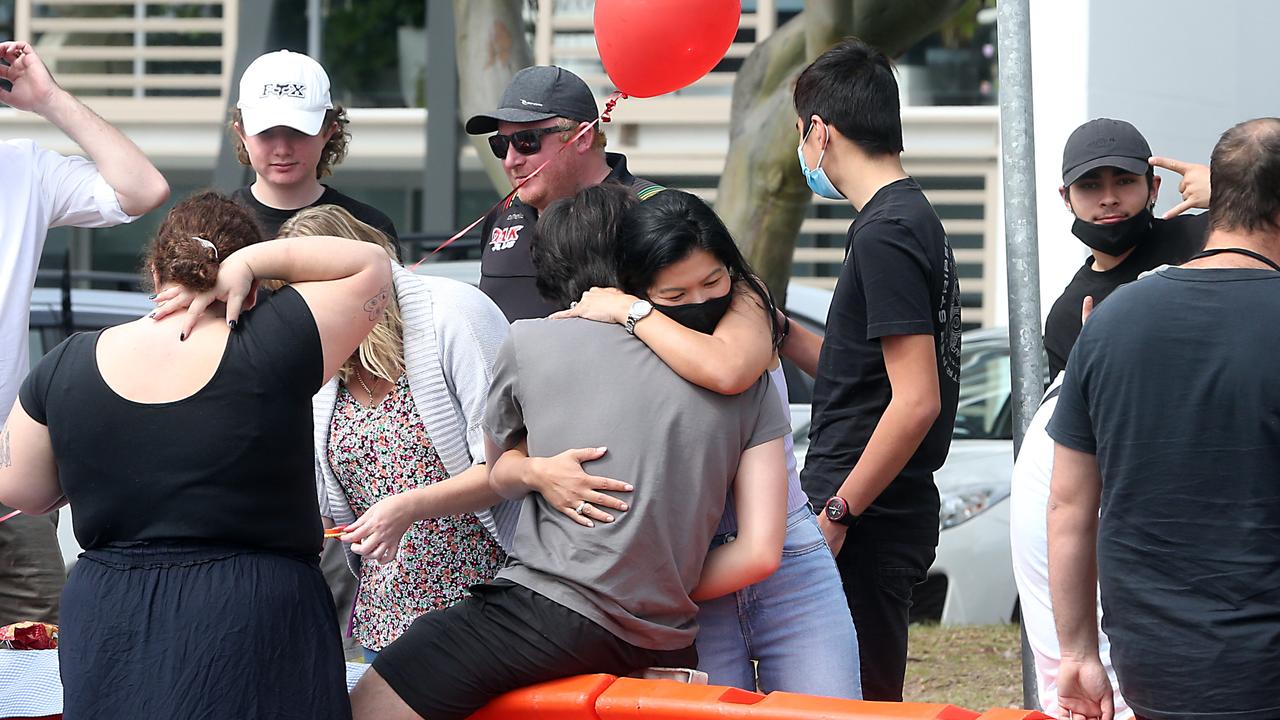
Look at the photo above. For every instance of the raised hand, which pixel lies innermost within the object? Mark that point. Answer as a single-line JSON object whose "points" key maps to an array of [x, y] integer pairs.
{"points": [[1194, 186], [33, 87], [236, 286]]}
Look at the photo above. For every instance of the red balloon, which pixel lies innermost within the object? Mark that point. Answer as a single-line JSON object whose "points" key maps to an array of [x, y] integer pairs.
{"points": [[651, 47]]}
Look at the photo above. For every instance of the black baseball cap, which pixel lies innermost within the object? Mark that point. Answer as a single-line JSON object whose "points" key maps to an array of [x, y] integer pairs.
{"points": [[1104, 143], [539, 93]]}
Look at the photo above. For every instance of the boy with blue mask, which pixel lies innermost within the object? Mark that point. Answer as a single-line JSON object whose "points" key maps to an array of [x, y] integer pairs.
{"points": [[887, 373]]}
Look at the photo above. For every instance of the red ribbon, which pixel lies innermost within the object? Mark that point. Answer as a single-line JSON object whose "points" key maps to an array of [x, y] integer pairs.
{"points": [[604, 118], [6, 517]]}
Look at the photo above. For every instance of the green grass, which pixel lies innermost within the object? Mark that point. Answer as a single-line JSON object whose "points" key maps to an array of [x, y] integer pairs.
{"points": [[975, 666]]}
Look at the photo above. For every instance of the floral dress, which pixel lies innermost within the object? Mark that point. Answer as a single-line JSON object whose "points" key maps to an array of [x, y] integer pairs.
{"points": [[382, 451]]}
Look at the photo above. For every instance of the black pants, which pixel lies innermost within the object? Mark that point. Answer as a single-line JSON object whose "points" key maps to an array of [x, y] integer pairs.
{"points": [[878, 576], [450, 662]]}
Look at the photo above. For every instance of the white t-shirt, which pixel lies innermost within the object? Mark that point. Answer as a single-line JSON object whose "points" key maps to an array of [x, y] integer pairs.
{"points": [[1028, 538], [42, 189]]}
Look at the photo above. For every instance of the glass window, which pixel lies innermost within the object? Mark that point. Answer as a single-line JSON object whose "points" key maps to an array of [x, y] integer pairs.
{"points": [[983, 409]]}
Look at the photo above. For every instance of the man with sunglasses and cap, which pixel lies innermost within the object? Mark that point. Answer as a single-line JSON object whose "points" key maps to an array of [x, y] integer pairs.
{"points": [[538, 120], [1110, 188]]}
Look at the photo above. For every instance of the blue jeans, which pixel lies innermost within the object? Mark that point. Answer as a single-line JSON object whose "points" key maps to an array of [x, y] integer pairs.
{"points": [[795, 624]]}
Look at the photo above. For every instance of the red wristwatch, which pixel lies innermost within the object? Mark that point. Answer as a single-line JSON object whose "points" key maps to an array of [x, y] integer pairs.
{"points": [[837, 511]]}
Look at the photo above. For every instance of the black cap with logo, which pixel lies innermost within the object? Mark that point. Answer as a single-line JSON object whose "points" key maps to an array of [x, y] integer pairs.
{"points": [[538, 93], [1104, 143]]}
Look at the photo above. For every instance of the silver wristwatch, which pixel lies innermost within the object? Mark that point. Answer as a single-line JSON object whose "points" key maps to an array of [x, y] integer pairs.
{"points": [[640, 310]]}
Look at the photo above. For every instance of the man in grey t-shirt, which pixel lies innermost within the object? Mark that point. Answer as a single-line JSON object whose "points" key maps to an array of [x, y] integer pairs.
{"points": [[616, 597]]}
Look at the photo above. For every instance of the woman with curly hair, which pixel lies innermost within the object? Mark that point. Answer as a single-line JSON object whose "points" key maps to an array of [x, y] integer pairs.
{"points": [[183, 442]]}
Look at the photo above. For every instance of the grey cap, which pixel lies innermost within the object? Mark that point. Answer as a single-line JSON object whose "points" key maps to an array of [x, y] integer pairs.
{"points": [[1104, 143], [539, 93]]}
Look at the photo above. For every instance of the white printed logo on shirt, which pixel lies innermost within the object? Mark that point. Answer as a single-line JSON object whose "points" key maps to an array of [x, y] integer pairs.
{"points": [[504, 238]]}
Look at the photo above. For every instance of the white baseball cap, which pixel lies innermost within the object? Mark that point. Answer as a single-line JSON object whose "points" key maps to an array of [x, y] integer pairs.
{"points": [[284, 88]]}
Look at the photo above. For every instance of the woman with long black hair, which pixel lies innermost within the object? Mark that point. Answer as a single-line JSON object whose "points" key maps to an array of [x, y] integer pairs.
{"points": [[688, 293]]}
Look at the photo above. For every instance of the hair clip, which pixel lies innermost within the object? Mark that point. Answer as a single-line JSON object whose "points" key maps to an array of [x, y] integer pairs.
{"points": [[208, 245]]}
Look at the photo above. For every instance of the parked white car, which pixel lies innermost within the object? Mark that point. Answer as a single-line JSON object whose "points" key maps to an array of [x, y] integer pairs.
{"points": [[971, 581]]}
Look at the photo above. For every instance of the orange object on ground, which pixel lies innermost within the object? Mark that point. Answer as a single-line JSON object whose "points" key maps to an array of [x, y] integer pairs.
{"points": [[606, 697], [1014, 714], [571, 698], [632, 699]]}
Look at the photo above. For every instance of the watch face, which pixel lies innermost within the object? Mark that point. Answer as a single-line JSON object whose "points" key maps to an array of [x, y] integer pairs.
{"points": [[836, 508], [641, 308]]}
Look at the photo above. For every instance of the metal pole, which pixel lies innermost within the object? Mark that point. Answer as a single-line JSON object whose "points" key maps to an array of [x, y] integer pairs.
{"points": [[1017, 140], [440, 174], [315, 40]]}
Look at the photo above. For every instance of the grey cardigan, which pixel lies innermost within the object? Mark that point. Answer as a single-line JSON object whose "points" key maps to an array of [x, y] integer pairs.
{"points": [[452, 333]]}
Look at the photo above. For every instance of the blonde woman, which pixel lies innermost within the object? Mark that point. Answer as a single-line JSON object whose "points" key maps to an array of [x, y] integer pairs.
{"points": [[399, 446]]}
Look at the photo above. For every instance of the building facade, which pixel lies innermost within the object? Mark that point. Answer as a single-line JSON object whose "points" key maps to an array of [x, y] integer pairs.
{"points": [[161, 71]]}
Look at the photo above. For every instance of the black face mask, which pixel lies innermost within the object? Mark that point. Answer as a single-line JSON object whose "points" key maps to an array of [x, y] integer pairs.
{"points": [[703, 316], [1117, 238]]}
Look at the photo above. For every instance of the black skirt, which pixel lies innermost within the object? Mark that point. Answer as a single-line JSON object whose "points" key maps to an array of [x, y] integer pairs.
{"points": [[181, 631]]}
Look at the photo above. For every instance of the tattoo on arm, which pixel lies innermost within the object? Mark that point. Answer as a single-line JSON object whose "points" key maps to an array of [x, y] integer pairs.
{"points": [[378, 303], [6, 457]]}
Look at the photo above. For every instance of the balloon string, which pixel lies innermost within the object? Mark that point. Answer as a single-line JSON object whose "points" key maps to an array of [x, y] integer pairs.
{"points": [[604, 117], [608, 105], [6, 517]]}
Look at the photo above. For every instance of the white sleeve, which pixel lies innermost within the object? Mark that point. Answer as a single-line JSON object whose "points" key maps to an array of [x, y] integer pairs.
{"points": [[75, 193], [470, 328]]}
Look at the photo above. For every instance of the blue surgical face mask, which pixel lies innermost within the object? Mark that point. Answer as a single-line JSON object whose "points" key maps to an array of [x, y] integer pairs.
{"points": [[817, 178]]}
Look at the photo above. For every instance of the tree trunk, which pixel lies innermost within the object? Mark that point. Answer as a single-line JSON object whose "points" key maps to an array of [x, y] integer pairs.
{"points": [[491, 47], [762, 196]]}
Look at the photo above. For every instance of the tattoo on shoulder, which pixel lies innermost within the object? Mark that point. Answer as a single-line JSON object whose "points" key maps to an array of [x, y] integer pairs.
{"points": [[378, 303], [6, 457]]}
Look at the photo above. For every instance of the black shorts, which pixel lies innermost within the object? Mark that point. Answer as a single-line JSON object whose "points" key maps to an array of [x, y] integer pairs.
{"points": [[451, 662]]}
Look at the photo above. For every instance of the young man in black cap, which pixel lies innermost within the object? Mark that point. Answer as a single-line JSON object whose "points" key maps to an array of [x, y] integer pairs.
{"points": [[541, 111], [1111, 189]]}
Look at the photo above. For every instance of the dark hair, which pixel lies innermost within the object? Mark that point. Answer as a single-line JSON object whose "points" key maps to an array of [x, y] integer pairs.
{"points": [[176, 255], [665, 229], [575, 243], [851, 86], [1244, 172], [335, 150]]}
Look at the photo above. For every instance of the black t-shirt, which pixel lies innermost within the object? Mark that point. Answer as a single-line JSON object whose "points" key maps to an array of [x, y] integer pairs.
{"points": [[1169, 242], [272, 218], [899, 278], [506, 263], [1173, 388], [229, 465]]}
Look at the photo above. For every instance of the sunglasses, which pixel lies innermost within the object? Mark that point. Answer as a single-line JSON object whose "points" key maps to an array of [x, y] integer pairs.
{"points": [[526, 142]]}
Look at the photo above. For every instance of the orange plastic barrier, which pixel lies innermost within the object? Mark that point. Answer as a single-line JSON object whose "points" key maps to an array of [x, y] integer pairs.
{"points": [[1014, 714], [606, 697], [572, 698], [631, 699]]}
